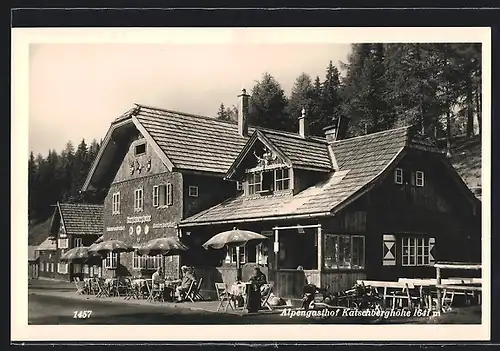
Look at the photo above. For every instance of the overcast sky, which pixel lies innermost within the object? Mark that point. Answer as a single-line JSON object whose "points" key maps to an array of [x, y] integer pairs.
{"points": [[76, 90]]}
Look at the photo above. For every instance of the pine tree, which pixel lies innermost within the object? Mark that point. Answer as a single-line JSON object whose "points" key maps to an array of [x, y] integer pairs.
{"points": [[302, 97], [268, 105], [222, 113], [32, 188]]}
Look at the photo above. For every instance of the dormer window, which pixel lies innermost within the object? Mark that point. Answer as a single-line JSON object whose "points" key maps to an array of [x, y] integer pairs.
{"points": [[254, 183], [140, 149], [282, 178], [398, 176]]}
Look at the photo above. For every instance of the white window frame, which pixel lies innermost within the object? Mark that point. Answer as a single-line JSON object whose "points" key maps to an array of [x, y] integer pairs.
{"points": [[116, 203], [42, 266], [62, 268], [346, 264], [243, 254], [63, 243], [169, 194], [156, 196], [419, 178], [239, 186], [252, 184], [164, 195], [193, 191], [138, 200], [137, 145], [415, 243], [111, 260], [146, 262], [77, 268], [77, 242], [398, 176], [282, 180]]}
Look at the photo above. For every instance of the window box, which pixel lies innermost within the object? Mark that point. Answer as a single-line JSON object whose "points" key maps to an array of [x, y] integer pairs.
{"points": [[63, 243]]}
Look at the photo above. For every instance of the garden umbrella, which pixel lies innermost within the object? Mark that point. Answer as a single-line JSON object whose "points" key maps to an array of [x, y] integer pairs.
{"points": [[111, 246], [76, 253], [234, 237], [162, 246]]}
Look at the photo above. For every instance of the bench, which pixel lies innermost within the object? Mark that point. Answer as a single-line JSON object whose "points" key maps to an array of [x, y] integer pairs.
{"points": [[395, 291]]}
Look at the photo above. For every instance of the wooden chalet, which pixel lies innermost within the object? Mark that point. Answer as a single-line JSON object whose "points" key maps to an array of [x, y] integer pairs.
{"points": [[32, 262], [381, 206], [47, 259], [75, 225]]}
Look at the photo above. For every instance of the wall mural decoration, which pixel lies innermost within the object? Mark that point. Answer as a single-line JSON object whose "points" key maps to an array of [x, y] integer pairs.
{"points": [[131, 166], [146, 229], [131, 230], [265, 157], [138, 166], [148, 165], [138, 230]]}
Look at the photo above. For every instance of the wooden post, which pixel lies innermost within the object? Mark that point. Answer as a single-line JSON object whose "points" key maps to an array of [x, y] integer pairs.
{"points": [[238, 273], [276, 244], [320, 253], [438, 290]]}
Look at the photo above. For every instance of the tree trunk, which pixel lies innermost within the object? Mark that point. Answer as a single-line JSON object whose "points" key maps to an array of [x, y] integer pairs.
{"points": [[448, 132], [478, 108], [470, 114]]}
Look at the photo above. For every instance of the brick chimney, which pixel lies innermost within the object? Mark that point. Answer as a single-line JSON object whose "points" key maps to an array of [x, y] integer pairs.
{"points": [[303, 125], [243, 113]]}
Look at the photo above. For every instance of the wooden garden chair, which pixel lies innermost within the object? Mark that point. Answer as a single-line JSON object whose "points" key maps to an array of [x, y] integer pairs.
{"points": [[80, 286], [264, 301], [103, 289], [223, 296], [130, 290], [190, 293], [156, 292], [197, 293]]}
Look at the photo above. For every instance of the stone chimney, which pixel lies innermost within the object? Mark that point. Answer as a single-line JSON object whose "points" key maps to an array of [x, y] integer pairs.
{"points": [[303, 125], [331, 133], [243, 113]]}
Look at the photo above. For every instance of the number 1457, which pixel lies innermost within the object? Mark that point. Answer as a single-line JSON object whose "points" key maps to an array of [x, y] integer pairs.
{"points": [[82, 314]]}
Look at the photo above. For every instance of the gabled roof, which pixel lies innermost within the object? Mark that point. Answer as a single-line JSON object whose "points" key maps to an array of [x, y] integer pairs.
{"points": [[198, 143], [48, 244], [32, 255], [309, 153], [361, 162], [80, 219]]}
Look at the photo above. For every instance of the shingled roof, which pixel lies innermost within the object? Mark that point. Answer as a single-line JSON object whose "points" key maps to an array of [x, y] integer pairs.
{"points": [[48, 244], [81, 219], [207, 144], [360, 160]]}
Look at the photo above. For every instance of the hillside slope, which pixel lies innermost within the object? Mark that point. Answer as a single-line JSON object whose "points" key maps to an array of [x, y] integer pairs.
{"points": [[466, 159], [39, 232]]}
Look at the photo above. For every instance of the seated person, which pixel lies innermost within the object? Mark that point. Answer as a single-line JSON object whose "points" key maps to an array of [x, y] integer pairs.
{"points": [[157, 278], [259, 281], [187, 279]]}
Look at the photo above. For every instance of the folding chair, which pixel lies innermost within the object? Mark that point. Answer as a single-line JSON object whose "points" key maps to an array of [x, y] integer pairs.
{"points": [[190, 294], [80, 286], [223, 296], [130, 290], [264, 301], [156, 292], [197, 295], [103, 288]]}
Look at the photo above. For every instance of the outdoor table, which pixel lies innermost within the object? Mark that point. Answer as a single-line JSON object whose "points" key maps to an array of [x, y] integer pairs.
{"points": [[240, 289]]}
